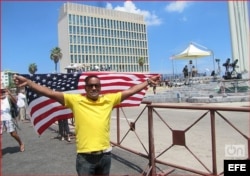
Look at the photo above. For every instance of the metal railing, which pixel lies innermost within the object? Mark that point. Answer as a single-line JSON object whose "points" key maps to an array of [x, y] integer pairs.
{"points": [[172, 137]]}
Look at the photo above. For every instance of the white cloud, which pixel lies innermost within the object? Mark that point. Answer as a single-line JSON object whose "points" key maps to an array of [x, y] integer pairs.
{"points": [[109, 6], [150, 17], [177, 6]]}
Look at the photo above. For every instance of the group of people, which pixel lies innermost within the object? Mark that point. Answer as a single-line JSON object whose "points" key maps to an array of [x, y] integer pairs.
{"points": [[192, 73], [92, 114], [10, 119]]}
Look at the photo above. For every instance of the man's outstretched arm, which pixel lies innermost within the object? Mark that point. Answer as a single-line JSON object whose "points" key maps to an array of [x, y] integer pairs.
{"points": [[137, 88]]}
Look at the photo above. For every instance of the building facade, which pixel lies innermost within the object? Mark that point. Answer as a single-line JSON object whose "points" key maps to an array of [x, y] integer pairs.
{"points": [[94, 38], [7, 78]]}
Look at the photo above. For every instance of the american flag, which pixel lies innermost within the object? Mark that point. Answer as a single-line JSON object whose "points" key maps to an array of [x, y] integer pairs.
{"points": [[44, 111]]}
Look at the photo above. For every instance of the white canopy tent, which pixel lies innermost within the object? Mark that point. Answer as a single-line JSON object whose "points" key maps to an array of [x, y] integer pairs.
{"points": [[193, 52]]}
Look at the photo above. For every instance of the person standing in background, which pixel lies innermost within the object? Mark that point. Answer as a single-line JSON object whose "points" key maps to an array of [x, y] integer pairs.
{"points": [[154, 89], [194, 71], [6, 119], [21, 99], [185, 74], [64, 129], [185, 71]]}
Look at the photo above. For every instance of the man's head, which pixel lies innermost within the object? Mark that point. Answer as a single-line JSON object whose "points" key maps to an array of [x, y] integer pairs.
{"points": [[92, 87]]}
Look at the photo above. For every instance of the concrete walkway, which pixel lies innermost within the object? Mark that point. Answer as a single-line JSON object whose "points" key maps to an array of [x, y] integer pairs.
{"points": [[47, 155]]}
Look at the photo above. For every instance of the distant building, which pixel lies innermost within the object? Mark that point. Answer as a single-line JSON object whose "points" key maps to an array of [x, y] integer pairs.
{"points": [[94, 38], [7, 78]]}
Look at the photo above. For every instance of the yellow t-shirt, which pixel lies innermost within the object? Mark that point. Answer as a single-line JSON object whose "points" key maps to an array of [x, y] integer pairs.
{"points": [[92, 120]]}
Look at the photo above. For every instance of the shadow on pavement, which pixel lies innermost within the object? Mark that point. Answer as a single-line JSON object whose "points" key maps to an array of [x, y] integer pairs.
{"points": [[127, 163], [10, 150]]}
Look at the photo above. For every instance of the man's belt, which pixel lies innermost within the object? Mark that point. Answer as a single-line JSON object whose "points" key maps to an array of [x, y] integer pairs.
{"points": [[108, 150]]}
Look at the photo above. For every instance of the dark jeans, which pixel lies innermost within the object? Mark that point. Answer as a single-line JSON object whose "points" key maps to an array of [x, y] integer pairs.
{"points": [[93, 165], [63, 127]]}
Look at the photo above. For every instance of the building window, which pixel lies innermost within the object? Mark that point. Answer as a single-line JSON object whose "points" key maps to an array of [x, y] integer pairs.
{"points": [[70, 19], [81, 21], [70, 30]]}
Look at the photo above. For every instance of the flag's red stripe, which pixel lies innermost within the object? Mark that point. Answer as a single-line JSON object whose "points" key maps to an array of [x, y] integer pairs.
{"points": [[128, 83], [110, 76], [141, 75], [51, 121], [131, 97], [38, 106], [47, 113], [117, 90]]}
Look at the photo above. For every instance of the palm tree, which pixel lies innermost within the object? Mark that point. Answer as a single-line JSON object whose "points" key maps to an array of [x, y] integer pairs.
{"points": [[141, 62], [56, 55], [32, 68]]}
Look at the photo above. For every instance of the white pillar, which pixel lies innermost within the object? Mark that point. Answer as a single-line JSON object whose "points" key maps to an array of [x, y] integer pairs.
{"points": [[240, 35]]}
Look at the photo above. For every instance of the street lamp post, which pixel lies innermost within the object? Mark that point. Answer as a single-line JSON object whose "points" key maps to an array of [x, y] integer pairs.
{"points": [[213, 59], [173, 68], [190, 68], [218, 62]]}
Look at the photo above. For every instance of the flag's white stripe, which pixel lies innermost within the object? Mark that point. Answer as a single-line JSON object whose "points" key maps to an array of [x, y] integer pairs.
{"points": [[45, 109], [50, 117], [138, 95], [121, 88], [117, 77], [122, 75], [127, 101], [116, 88], [78, 91], [38, 101], [115, 81]]}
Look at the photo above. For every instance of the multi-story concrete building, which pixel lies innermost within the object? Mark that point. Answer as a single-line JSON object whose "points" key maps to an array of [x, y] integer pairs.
{"points": [[7, 78], [94, 38]]}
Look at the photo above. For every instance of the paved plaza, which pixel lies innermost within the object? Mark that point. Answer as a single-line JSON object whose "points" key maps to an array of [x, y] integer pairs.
{"points": [[47, 155]]}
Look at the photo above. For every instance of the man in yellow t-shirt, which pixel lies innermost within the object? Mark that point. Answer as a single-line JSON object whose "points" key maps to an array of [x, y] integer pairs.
{"points": [[92, 120]]}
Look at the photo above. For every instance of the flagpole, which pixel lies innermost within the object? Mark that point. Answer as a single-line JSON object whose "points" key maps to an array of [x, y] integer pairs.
{"points": [[173, 68], [213, 59]]}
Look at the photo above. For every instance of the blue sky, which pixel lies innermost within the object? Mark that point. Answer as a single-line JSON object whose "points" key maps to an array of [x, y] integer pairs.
{"points": [[29, 32]]}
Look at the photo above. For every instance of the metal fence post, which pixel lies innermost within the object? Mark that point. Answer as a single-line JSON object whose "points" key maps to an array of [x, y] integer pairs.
{"points": [[151, 141], [213, 138]]}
